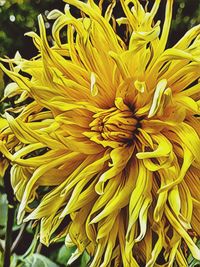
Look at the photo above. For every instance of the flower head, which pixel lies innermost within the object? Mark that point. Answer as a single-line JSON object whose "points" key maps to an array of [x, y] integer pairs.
{"points": [[103, 136]]}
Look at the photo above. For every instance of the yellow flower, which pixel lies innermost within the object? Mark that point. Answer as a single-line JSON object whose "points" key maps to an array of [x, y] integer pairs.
{"points": [[103, 136]]}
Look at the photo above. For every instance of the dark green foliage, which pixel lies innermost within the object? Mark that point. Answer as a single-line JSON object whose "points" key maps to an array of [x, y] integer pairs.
{"points": [[18, 17]]}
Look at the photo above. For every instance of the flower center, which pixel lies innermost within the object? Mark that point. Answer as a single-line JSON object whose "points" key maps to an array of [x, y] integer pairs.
{"points": [[115, 125]]}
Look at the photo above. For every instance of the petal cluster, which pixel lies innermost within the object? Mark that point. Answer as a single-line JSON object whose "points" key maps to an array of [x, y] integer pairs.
{"points": [[104, 135]]}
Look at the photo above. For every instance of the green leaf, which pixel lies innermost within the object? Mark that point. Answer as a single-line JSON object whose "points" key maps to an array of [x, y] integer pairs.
{"points": [[195, 263], [38, 260], [64, 254], [1, 259], [85, 259], [3, 209], [192, 262], [14, 260]]}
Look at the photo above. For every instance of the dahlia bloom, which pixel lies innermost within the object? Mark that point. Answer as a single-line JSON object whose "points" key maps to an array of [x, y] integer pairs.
{"points": [[103, 135]]}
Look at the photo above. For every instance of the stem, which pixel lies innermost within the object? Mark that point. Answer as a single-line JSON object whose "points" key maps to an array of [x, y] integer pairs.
{"points": [[33, 245], [18, 238], [39, 248], [10, 221], [10, 217]]}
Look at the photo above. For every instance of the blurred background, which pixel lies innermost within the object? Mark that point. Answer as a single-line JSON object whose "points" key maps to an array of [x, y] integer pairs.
{"points": [[20, 16]]}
